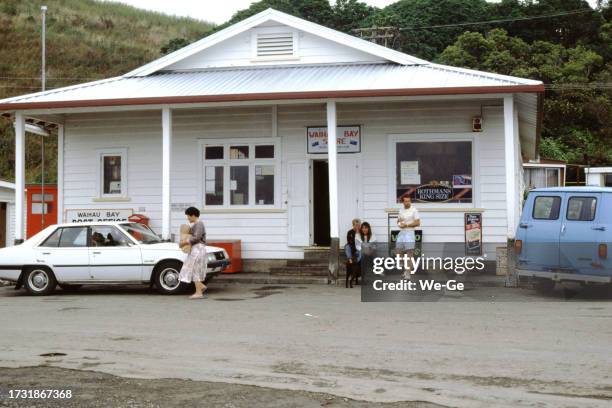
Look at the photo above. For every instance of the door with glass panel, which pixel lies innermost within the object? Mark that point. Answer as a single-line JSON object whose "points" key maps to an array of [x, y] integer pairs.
{"points": [[113, 256]]}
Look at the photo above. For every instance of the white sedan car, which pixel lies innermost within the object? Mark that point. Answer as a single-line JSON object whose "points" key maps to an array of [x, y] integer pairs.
{"points": [[72, 255]]}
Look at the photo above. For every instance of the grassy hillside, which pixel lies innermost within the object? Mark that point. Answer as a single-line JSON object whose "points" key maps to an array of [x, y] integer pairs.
{"points": [[86, 40]]}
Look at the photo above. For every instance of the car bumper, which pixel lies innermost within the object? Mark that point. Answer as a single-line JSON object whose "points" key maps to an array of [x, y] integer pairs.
{"points": [[218, 266], [560, 276], [10, 273]]}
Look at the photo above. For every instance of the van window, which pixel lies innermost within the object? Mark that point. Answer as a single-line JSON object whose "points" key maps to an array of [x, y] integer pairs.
{"points": [[546, 207], [581, 208]]}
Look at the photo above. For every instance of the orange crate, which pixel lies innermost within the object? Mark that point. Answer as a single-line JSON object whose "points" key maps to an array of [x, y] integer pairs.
{"points": [[233, 248]]}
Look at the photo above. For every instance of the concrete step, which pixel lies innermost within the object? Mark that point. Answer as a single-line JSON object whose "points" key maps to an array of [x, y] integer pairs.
{"points": [[268, 279]]}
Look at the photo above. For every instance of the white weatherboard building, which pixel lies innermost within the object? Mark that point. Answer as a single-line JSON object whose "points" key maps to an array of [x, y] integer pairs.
{"points": [[7, 213], [236, 124]]}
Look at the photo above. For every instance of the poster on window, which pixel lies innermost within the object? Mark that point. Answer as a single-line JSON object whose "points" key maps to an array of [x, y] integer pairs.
{"points": [[99, 215], [348, 139], [433, 193], [473, 234]]}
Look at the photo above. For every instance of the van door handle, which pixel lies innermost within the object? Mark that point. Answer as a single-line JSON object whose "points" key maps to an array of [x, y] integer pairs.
{"points": [[97, 253], [524, 225], [598, 228], [562, 228], [46, 253]]}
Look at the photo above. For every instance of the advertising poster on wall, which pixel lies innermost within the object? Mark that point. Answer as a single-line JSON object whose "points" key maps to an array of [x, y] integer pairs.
{"points": [[473, 234]]}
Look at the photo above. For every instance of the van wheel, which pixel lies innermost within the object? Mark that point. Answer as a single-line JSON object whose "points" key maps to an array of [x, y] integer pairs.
{"points": [[166, 278], [39, 281], [544, 286]]}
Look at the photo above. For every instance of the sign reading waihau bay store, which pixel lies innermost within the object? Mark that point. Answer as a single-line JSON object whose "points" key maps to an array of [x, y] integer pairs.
{"points": [[348, 139]]}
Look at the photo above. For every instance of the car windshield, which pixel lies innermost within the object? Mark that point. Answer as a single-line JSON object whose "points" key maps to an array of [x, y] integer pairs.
{"points": [[141, 233]]}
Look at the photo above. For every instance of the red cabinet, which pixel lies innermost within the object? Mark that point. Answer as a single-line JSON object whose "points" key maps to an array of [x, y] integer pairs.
{"points": [[233, 248]]}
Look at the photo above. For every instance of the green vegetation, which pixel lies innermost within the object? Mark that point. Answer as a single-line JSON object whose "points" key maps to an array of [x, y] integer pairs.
{"points": [[86, 40], [570, 51]]}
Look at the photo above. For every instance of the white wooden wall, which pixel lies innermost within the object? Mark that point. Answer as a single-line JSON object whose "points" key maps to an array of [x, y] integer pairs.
{"points": [[237, 51], [264, 234], [8, 196]]}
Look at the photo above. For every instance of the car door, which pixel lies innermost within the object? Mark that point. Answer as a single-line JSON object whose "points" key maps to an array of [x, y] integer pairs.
{"points": [[113, 256], [539, 229], [581, 233], [66, 252]]}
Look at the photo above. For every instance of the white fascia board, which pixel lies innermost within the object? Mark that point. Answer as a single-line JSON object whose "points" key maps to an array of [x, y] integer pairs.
{"points": [[485, 74], [282, 18], [19, 98]]}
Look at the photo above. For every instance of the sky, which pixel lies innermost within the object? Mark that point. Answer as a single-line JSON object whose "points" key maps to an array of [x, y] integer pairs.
{"points": [[216, 11]]}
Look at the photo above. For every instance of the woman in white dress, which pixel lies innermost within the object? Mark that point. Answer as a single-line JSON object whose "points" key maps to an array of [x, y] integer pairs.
{"points": [[194, 267]]}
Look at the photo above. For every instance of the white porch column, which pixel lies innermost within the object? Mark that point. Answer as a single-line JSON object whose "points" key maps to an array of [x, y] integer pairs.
{"points": [[60, 174], [332, 155], [19, 177], [332, 150], [166, 162], [510, 152]]}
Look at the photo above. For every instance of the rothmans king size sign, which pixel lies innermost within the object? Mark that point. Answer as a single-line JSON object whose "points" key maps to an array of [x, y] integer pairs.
{"points": [[348, 137]]}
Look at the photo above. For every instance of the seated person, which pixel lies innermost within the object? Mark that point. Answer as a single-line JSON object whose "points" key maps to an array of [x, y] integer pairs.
{"points": [[365, 236], [350, 249], [97, 239]]}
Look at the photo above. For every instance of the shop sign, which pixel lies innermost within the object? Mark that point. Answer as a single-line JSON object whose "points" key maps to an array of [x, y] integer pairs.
{"points": [[473, 234], [433, 194], [99, 215], [348, 139]]}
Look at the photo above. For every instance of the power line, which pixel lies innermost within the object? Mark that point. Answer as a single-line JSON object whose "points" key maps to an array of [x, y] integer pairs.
{"points": [[505, 20]]}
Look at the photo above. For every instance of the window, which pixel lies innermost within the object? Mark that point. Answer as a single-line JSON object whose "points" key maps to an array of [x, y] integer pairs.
{"points": [[434, 171], [73, 237], [67, 237], [213, 185], [538, 177], [113, 173], [107, 236], [40, 208], [581, 208], [241, 174], [53, 240], [546, 208]]}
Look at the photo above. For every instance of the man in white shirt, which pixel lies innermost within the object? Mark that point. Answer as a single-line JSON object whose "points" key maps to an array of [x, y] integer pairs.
{"points": [[408, 218]]}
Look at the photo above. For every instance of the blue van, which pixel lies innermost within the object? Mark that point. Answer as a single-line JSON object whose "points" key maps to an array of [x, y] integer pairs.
{"points": [[565, 234]]}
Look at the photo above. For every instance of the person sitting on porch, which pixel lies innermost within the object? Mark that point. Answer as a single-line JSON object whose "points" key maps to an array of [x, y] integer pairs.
{"points": [[350, 249], [365, 236]]}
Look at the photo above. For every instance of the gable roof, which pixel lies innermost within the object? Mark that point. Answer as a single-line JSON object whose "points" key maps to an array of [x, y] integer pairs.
{"points": [[282, 18]]}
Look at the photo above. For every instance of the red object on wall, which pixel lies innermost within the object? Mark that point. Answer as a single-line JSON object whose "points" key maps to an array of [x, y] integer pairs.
{"points": [[234, 251], [139, 218], [41, 211]]}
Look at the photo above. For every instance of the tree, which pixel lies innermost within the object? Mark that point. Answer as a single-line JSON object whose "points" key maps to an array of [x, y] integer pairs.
{"points": [[577, 108], [173, 45]]}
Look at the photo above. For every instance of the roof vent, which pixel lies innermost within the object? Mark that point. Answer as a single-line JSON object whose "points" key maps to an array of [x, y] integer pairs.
{"points": [[275, 45]]}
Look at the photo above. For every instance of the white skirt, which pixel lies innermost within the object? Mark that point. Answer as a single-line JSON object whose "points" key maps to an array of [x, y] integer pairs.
{"points": [[405, 240], [194, 268]]}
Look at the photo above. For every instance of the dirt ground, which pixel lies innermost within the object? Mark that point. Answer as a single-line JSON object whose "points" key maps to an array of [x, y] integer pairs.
{"points": [[92, 389]]}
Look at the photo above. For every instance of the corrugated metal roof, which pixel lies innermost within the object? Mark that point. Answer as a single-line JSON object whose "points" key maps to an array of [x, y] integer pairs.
{"points": [[270, 80]]}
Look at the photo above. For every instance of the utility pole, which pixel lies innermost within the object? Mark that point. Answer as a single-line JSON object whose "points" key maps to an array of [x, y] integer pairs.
{"points": [[43, 81], [384, 36]]}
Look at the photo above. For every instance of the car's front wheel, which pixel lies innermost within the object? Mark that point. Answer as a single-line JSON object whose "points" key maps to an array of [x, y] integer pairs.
{"points": [[166, 278], [39, 281]]}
